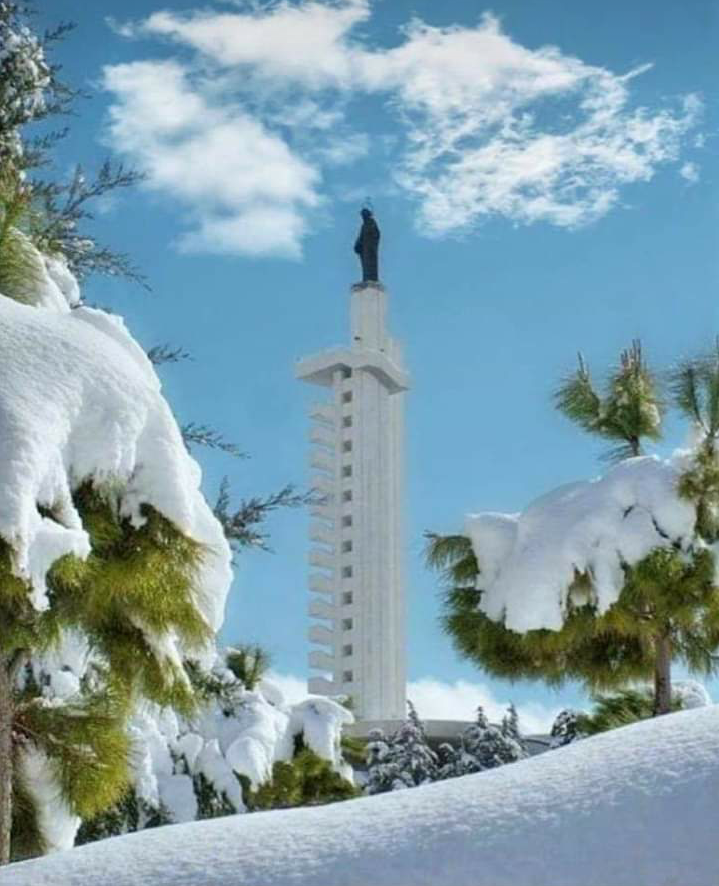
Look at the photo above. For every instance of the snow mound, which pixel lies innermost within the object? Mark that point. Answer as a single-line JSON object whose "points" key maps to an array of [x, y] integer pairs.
{"points": [[80, 400], [637, 806], [528, 561]]}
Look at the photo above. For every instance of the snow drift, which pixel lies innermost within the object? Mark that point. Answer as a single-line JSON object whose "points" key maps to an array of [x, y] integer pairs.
{"points": [[637, 806]]}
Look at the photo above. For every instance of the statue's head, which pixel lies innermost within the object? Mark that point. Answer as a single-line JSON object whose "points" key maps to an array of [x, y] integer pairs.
{"points": [[366, 213]]}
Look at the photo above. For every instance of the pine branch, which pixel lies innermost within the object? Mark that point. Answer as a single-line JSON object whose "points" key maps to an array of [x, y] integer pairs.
{"points": [[203, 435], [241, 526], [165, 353], [630, 411], [685, 389], [65, 207], [454, 557], [248, 662], [577, 399]]}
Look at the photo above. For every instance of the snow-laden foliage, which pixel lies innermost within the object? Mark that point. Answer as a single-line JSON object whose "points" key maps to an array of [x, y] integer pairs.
{"points": [[529, 562], [81, 401], [185, 768], [102, 525], [25, 76], [565, 728], [95, 468], [405, 758], [485, 746]]}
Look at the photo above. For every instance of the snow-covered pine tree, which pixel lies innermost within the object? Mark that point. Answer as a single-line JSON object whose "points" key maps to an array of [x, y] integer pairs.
{"points": [[404, 760], [485, 746], [668, 606], [565, 728], [136, 556], [415, 761], [381, 769], [84, 548], [510, 724], [449, 761]]}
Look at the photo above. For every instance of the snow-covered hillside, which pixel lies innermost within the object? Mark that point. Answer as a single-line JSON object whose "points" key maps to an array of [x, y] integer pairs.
{"points": [[638, 806]]}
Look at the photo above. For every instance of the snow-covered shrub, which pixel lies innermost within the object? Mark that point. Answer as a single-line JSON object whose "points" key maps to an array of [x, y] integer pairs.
{"points": [[691, 694], [190, 767], [306, 780]]}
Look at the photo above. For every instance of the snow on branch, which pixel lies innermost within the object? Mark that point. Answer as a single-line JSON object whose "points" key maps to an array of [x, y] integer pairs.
{"points": [[529, 562], [80, 401]]}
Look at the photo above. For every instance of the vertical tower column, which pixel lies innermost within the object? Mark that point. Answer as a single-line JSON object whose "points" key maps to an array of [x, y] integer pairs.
{"points": [[358, 584]]}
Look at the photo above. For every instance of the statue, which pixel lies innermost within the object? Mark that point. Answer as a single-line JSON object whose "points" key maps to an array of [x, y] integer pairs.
{"points": [[367, 247]]}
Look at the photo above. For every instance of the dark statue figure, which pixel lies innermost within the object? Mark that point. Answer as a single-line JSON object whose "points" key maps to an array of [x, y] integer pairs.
{"points": [[367, 247]]}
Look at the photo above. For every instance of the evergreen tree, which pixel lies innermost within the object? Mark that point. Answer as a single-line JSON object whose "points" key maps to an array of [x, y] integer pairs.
{"points": [[669, 606], [669, 603], [566, 728], [449, 761], [404, 760], [485, 746], [510, 724], [416, 762], [381, 769], [138, 582]]}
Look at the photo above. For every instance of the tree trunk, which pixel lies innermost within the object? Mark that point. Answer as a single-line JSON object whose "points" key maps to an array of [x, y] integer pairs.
{"points": [[6, 720], [663, 675]]}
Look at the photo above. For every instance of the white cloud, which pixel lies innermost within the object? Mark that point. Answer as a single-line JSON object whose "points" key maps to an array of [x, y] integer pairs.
{"points": [[690, 172], [244, 189], [305, 42], [531, 135], [439, 700], [489, 127]]}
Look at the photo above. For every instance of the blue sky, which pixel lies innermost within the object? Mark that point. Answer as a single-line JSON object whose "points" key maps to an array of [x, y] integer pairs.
{"points": [[533, 200]]}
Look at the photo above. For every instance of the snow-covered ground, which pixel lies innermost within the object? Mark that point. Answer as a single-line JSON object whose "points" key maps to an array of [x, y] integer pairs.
{"points": [[637, 806]]}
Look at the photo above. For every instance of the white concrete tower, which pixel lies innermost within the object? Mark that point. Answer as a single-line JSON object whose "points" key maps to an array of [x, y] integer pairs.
{"points": [[357, 599]]}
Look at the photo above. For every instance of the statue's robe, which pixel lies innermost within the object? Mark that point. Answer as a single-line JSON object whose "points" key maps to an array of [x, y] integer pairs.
{"points": [[367, 248]]}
